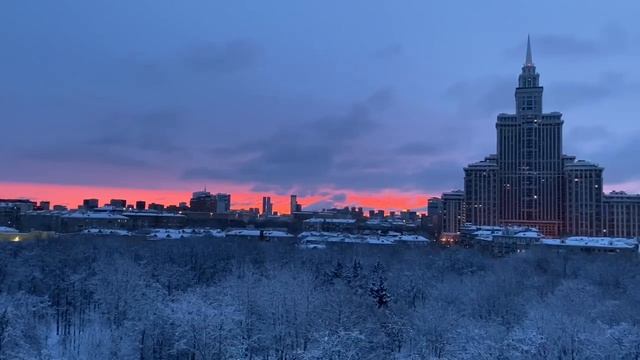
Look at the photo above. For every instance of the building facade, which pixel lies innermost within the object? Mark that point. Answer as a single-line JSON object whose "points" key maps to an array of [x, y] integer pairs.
{"points": [[453, 211], [621, 214]]}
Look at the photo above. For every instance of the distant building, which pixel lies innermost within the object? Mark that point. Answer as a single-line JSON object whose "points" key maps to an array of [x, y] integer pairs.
{"points": [[202, 201], [118, 203], [453, 212], [45, 205], [154, 219], [141, 205], [293, 204], [60, 208], [11, 209], [90, 204], [433, 220], [267, 206], [81, 220], [223, 203], [592, 245], [156, 207], [621, 214], [332, 225]]}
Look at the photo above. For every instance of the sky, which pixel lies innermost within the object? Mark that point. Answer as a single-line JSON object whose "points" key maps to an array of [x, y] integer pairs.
{"points": [[372, 103]]}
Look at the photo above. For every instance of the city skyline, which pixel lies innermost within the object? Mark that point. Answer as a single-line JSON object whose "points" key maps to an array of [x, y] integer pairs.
{"points": [[377, 119]]}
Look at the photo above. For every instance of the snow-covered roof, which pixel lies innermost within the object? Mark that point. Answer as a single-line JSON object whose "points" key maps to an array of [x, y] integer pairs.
{"points": [[594, 242], [334, 221], [106, 232], [94, 215], [151, 214], [184, 233], [5, 229], [256, 232], [379, 239]]}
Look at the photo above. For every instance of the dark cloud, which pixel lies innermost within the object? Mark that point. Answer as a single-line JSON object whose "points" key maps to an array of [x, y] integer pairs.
{"points": [[225, 57], [333, 151], [130, 142]]}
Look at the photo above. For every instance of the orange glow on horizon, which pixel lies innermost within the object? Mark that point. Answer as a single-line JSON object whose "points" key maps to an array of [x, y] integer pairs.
{"points": [[72, 196]]}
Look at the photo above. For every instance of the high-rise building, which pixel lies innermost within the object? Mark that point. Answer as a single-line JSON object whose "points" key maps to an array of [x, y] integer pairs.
{"points": [[621, 214], [529, 181], [223, 203], [294, 204], [141, 205], [434, 206], [118, 203], [583, 199], [453, 211], [267, 206], [156, 207], [90, 204], [45, 205], [480, 184], [202, 201]]}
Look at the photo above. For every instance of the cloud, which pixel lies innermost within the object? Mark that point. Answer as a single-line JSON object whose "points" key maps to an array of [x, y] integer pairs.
{"points": [[227, 57], [485, 96], [619, 158], [569, 94], [612, 39], [336, 151]]}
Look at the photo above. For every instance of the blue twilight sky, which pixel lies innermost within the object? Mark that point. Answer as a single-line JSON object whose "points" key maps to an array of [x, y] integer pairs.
{"points": [[304, 96]]}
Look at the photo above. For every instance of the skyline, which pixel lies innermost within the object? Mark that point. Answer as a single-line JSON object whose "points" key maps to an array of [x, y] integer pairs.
{"points": [[216, 102]]}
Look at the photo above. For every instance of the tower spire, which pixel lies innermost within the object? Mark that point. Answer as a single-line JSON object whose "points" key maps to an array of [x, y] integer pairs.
{"points": [[529, 59]]}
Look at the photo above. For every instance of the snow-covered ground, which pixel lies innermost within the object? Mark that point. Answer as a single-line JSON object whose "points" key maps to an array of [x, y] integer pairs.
{"points": [[159, 234], [8, 230]]}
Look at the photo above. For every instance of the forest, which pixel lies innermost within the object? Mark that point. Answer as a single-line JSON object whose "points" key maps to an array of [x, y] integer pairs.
{"points": [[84, 297]]}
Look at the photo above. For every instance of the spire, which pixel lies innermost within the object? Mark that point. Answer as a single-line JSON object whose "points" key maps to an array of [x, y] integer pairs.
{"points": [[529, 59]]}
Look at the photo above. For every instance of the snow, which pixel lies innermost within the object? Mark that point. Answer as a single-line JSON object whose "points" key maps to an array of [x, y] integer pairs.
{"points": [[4, 229], [331, 221], [106, 232], [593, 242], [315, 237], [157, 234], [256, 233], [151, 214], [95, 215]]}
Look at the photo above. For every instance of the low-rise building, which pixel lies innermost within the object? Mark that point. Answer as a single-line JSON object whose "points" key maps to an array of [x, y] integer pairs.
{"points": [[592, 244]]}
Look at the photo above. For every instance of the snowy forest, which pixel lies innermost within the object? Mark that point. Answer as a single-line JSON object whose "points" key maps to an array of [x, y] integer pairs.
{"points": [[120, 298]]}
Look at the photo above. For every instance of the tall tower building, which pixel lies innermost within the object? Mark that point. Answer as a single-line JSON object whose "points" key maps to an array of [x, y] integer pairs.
{"points": [[529, 181], [267, 206], [529, 158]]}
